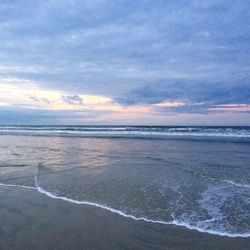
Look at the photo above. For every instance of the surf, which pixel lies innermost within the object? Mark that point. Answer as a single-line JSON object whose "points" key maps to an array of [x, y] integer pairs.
{"points": [[174, 222]]}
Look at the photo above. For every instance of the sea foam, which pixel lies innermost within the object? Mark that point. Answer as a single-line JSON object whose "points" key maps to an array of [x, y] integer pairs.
{"points": [[119, 212], [175, 222]]}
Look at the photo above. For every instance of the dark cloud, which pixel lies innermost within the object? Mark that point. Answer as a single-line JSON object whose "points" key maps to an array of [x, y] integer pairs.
{"points": [[24, 116], [108, 47], [187, 108], [196, 96], [72, 99], [37, 99], [204, 109], [114, 48]]}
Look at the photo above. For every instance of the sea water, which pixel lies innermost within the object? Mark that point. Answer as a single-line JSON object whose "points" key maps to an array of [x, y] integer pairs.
{"points": [[194, 177]]}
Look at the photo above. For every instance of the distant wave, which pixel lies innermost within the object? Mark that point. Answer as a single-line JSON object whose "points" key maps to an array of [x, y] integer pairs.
{"points": [[2, 165], [128, 131]]}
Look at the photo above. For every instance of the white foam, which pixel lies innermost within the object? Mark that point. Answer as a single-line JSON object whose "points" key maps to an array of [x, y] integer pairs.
{"points": [[113, 210], [218, 180], [174, 222], [14, 185], [214, 232], [237, 184], [144, 132]]}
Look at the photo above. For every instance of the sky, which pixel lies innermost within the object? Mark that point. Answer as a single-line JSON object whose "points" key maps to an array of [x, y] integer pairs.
{"points": [[132, 62]]}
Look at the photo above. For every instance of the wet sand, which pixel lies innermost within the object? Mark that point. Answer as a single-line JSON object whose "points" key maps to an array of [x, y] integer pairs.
{"points": [[30, 220]]}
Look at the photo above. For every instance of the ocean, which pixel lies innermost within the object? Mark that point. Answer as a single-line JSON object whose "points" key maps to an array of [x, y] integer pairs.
{"points": [[190, 177]]}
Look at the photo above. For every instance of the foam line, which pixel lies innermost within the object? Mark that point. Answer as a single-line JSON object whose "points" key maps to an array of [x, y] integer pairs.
{"points": [[214, 232], [217, 180], [20, 186], [174, 222], [237, 184]]}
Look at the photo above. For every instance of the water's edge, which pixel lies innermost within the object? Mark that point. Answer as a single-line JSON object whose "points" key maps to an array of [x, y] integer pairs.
{"points": [[110, 209]]}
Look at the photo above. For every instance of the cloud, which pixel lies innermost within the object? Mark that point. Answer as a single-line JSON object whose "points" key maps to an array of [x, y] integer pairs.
{"points": [[201, 97], [38, 99], [131, 51], [73, 99], [14, 115], [107, 47]]}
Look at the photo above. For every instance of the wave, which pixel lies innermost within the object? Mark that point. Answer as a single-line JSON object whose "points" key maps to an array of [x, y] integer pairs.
{"points": [[119, 212], [203, 176], [189, 171], [175, 222], [237, 184], [19, 186], [128, 131], [2, 165], [209, 178]]}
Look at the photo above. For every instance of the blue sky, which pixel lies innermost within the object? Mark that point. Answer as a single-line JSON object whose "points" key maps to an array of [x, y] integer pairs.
{"points": [[125, 62]]}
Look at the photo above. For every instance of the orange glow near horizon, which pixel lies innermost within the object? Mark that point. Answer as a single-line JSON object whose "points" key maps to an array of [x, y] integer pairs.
{"points": [[27, 94], [16, 93]]}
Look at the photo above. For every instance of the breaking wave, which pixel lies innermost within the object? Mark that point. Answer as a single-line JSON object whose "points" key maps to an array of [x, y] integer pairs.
{"points": [[129, 131]]}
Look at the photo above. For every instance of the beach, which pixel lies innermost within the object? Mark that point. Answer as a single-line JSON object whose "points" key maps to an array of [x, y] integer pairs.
{"points": [[30, 220], [124, 125], [78, 190]]}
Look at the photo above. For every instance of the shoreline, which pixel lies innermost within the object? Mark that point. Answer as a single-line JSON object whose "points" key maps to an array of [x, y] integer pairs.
{"points": [[120, 213], [17, 204]]}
